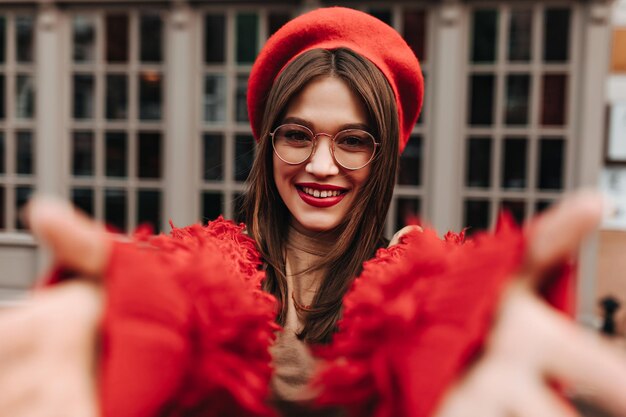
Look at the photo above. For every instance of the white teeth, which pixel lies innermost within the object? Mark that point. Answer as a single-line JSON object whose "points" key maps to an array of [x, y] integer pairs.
{"points": [[324, 194], [316, 193], [321, 194]]}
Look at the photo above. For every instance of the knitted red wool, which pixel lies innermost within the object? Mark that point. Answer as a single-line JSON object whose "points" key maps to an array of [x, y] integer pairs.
{"points": [[331, 28]]}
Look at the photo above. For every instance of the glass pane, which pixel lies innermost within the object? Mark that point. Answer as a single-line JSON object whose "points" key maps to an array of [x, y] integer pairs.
{"points": [[149, 155], [149, 208], [214, 98], [478, 172], [2, 98], [247, 37], [241, 109], [518, 90], [151, 38], [407, 212], [514, 160], [116, 154], [542, 205], [410, 172], [213, 166], [24, 97], [3, 39], [517, 208], [83, 96], [476, 215], [276, 20], [244, 156], [83, 199], [551, 164], [2, 209], [214, 38], [83, 154], [211, 206], [556, 35], [84, 39], [553, 103], [24, 38], [24, 162], [485, 35], [116, 38], [520, 31], [481, 99], [381, 14], [2, 153], [150, 95], [22, 194], [116, 96], [115, 208], [238, 208], [414, 31]]}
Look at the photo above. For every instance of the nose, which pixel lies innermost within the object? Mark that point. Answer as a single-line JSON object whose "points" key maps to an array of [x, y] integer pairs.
{"points": [[321, 163]]}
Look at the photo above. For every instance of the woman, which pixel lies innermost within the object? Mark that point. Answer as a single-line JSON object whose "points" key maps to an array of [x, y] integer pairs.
{"points": [[323, 100]]}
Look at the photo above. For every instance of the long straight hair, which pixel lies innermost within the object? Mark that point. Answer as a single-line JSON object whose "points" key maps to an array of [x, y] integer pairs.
{"points": [[362, 231]]}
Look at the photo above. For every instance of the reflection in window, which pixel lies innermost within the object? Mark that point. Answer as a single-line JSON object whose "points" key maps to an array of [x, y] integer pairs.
{"points": [[149, 155], [485, 35], [83, 199], [517, 208], [551, 164], [22, 194], [116, 96], [556, 35], [211, 206], [151, 32], [213, 166], [407, 212], [149, 208], [414, 31], [476, 215], [214, 98], [24, 97], [83, 154], [553, 99], [115, 208], [478, 172], [24, 38], [481, 99], [247, 37], [517, 98], [24, 142], [117, 38], [410, 172], [514, 163], [520, 30], [150, 95], [244, 156], [83, 96], [116, 154], [84, 39], [214, 38], [241, 108]]}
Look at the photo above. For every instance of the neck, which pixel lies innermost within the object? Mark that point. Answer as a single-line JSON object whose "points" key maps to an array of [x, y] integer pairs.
{"points": [[312, 242]]}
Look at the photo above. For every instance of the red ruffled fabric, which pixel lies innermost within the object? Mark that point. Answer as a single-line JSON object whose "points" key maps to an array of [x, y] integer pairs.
{"points": [[414, 319]]}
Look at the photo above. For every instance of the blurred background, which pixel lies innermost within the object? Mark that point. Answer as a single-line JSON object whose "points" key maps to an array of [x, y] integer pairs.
{"points": [[136, 112]]}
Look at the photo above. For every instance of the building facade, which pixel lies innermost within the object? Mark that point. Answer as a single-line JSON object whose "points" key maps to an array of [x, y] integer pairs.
{"points": [[136, 112]]}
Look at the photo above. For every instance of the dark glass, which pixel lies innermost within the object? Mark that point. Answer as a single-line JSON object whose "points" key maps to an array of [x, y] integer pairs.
{"points": [[520, 34], [214, 38], [25, 152], [211, 206], [2, 97], [149, 208], [214, 98], [410, 172], [238, 216], [276, 20], [420, 118], [382, 14], [2, 209], [116, 154], [83, 154], [407, 212], [149, 155], [514, 163], [213, 165], [481, 99], [116, 97], [241, 107], [150, 95], [84, 39], [542, 205], [556, 35], [83, 199], [516, 208], [478, 172], [247, 37], [2, 153], [22, 194], [83, 96], [117, 38], [244, 156], [24, 26], [115, 202], [553, 103], [517, 98], [3, 40], [551, 164], [485, 35], [151, 32], [24, 97], [476, 215], [414, 31]]}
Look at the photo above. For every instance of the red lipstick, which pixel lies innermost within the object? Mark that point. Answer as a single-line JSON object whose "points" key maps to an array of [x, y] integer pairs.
{"points": [[321, 202]]}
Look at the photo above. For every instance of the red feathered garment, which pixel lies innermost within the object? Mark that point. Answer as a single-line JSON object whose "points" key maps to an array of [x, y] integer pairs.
{"points": [[186, 329]]}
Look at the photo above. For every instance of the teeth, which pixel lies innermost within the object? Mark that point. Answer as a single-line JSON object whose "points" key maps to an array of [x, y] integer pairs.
{"points": [[321, 194]]}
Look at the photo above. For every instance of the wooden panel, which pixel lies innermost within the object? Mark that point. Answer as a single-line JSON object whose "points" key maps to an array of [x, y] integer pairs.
{"points": [[618, 56]]}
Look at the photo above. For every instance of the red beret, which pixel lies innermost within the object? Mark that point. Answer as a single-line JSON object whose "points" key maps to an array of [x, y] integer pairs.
{"points": [[331, 28]]}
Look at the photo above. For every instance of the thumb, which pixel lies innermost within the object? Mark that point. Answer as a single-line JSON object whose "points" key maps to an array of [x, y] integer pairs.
{"points": [[75, 241]]}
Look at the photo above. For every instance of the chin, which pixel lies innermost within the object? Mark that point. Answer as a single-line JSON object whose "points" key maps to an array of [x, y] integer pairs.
{"points": [[318, 223]]}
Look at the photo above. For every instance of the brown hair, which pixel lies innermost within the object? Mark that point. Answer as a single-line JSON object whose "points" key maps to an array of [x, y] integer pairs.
{"points": [[362, 233]]}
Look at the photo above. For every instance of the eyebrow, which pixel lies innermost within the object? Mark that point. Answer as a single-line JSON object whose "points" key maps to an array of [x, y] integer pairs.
{"points": [[308, 124]]}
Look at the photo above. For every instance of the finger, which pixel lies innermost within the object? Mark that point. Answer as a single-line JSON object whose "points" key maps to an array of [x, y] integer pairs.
{"points": [[402, 232], [75, 241], [556, 234], [535, 399]]}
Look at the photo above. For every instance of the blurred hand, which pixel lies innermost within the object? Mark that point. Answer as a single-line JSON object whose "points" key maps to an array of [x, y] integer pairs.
{"points": [[532, 345]]}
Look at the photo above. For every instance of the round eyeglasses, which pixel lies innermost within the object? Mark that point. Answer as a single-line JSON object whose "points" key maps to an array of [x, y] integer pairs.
{"points": [[351, 148]]}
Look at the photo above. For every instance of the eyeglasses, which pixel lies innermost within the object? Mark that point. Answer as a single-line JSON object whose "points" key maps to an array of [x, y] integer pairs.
{"points": [[351, 148]]}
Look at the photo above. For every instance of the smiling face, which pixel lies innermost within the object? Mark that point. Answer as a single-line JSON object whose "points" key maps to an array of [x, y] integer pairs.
{"points": [[319, 192]]}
